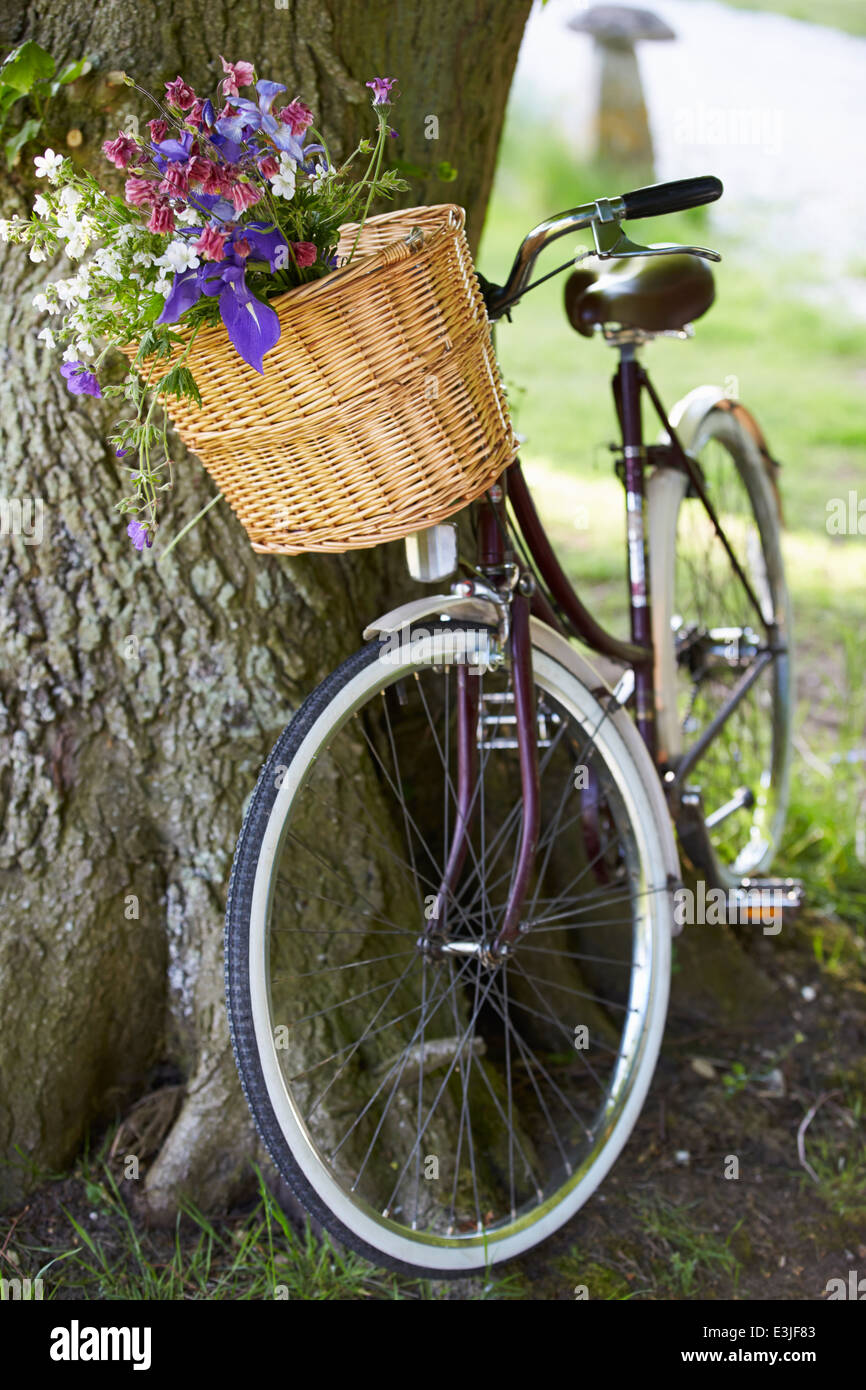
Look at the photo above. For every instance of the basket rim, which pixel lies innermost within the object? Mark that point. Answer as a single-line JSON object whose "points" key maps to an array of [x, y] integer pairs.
{"points": [[365, 265], [453, 224]]}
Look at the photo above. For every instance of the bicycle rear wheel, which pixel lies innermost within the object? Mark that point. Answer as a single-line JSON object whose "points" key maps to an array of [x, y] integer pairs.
{"points": [[436, 1113], [708, 633]]}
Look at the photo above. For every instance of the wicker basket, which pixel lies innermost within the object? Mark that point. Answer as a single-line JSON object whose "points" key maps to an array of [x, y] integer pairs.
{"points": [[380, 410]]}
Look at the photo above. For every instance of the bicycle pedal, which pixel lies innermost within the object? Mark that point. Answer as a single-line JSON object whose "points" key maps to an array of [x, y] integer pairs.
{"points": [[496, 712], [759, 900]]}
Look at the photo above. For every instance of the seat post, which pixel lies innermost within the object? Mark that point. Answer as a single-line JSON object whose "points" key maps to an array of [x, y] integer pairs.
{"points": [[627, 388]]}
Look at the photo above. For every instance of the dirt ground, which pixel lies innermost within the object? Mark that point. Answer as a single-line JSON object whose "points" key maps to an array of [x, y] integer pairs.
{"points": [[710, 1198], [667, 1222]]}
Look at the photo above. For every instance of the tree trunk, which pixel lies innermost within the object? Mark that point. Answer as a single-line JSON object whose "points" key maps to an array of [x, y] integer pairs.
{"points": [[138, 703]]}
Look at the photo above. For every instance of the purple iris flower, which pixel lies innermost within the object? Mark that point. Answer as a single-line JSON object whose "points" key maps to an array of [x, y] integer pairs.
{"points": [[139, 535], [172, 151], [79, 380], [256, 115], [253, 327]]}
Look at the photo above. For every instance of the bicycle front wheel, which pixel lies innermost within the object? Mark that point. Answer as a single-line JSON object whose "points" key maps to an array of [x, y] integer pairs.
{"points": [[436, 1112]]}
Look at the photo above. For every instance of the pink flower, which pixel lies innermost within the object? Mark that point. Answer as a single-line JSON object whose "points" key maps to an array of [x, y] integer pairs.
{"points": [[297, 116], [178, 93], [140, 193], [239, 75], [158, 130], [242, 247], [213, 179], [121, 150], [195, 113], [243, 195], [306, 252], [176, 181], [198, 169], [211, 244], [269, 166], [381, 90], [161, 219]]}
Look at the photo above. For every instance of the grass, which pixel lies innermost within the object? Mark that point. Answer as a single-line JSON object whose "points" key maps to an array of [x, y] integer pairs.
{"points": [[104, 1253], [688, 1258], [849, 15], [835, 1145], [672, 1256]]}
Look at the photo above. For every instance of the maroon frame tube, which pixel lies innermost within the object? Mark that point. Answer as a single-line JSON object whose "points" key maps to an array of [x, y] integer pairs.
{"points": [[579, 620], [627, 395], [468, 688]]}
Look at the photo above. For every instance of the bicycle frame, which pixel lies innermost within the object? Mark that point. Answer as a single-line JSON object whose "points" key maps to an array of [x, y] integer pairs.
{"points": [[555, 602]]}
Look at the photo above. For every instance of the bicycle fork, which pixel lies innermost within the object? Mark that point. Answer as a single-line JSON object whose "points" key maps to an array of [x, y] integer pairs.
{"points": [[495, 563]]}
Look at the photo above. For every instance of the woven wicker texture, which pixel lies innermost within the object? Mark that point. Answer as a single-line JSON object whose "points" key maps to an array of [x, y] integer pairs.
{"points": [[381, 409]]}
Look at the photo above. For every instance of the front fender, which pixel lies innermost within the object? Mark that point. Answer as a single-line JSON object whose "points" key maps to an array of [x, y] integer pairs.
{"points": [[475, 610]]}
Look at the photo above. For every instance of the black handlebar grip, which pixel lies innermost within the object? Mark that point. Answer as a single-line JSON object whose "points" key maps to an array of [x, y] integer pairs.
{"points": [[672, 197]]}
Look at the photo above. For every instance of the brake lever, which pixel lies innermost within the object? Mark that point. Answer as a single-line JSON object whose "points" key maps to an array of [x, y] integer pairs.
{"points": [[611, 243]]}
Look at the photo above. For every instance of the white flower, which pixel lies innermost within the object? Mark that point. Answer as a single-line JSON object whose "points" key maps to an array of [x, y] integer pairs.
{"points": [[40, 302], [320, 173], [80, 233], [37, 254], [40, 206], [283, 182], [47, 337], [71, 290], [178, 256], [70, 199], [189, 217], [70, 354], [107, 261], [83, 348], [163, 285], [48, 165]]}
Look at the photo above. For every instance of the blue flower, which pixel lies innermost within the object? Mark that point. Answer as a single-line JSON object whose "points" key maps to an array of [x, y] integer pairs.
{"points": [[139, 535], [79, 380]]}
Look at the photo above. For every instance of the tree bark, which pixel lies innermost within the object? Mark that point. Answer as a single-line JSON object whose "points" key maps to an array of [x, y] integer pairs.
{"points": [[138, 703]]}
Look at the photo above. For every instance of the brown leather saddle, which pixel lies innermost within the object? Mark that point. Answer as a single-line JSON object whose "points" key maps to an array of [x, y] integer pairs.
{"points": [[653, 293]]}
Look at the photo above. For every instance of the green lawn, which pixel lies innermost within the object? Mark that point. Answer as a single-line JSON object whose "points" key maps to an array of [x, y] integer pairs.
{"points": [[849, 15]]}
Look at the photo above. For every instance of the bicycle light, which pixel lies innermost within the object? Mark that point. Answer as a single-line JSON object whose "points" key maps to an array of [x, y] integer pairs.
{"points": [[431, 555]]}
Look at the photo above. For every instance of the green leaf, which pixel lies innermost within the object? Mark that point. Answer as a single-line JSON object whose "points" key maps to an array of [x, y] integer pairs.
{"points": [[70, 73], [28, 64], [16, 142], [180, 382], [413, 171], [446, 172]]}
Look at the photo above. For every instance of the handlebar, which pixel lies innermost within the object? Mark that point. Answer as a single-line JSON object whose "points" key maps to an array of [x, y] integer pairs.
{"points": [[660, 198], [642, 202]]}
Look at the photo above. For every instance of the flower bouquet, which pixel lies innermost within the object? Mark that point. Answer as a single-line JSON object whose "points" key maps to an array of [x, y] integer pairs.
{"points": [[238, 237]]}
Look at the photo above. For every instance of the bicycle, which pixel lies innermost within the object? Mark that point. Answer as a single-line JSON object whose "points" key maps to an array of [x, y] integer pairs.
{"points": [[452, 902]]}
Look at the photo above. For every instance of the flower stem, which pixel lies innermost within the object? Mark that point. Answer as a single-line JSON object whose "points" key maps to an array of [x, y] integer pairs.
{"points": [[189, 525], [380, 147]]}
